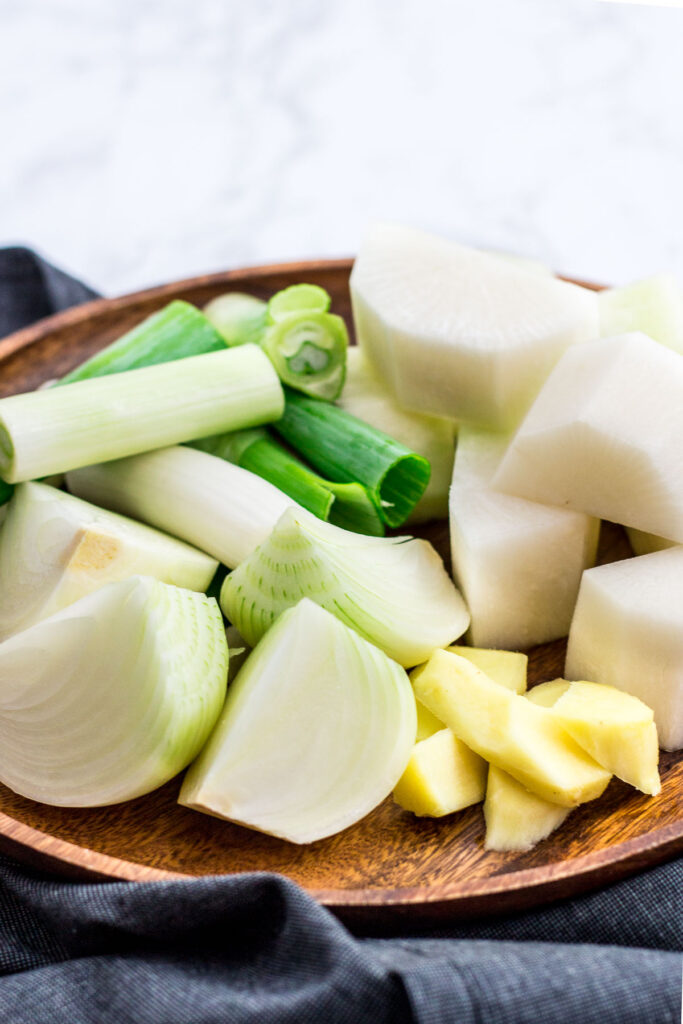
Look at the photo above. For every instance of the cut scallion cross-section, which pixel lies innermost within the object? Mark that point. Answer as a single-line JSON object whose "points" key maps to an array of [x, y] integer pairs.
{"points": [[346, 449], [298, 298], [316, 730], [177, 331], [394, 591], [55, 549], [219, 508], [346, 505], [308, 350], [112, 696], [62, 428]]}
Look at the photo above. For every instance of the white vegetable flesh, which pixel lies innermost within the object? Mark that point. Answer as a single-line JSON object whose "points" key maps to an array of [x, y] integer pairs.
{"points": [[601, 437], [460, 333], [628, 632], [317, 728], [103, 418], [394, 591], [653, 306], [112, 696], [55, 549], [206, 501], [517, 563], [368, 398]]}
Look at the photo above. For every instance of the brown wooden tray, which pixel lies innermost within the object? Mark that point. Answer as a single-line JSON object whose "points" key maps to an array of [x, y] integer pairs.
{"points": [[390, 868]]}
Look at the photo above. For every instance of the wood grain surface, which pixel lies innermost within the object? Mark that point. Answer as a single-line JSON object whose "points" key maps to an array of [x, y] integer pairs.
{"points": [[390, 868]]}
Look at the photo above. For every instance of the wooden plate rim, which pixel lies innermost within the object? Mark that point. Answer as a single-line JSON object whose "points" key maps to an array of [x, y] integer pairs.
{"points": [[43, 849]]}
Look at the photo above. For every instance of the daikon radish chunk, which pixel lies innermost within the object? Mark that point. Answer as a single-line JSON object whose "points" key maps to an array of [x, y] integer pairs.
{"points": [[627, 632], [602, 436], [614, 727], [517, 563], [646, 543], [508, 730], [653, 306], [442, 776], [460, 333], [516, 819]]}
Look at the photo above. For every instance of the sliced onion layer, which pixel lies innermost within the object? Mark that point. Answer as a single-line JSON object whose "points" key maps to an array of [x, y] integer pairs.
{"points": [[317, 729], [394, 591], [113, 696]]}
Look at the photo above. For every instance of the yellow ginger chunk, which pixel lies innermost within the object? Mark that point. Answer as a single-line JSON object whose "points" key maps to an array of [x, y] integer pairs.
{"points": [[508, 730], [517, 819], [442, 776], [615, 728], [505, 667]]}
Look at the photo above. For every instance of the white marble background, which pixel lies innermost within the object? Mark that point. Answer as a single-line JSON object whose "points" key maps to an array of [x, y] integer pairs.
{"points": [[144, 140]]}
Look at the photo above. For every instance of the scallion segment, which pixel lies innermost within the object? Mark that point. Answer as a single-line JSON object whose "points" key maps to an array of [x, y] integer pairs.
{"points": [[308, 350], [298, 298], [347, 505], [91, 421], [239, 318], [345, 449], [177, 331], [212, 504]]}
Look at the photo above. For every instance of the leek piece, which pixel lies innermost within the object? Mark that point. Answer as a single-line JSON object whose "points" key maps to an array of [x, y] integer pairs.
{"points": [[296, 299], [219, 508], [239, 318], [177, 331], [344, 448], [6, 492], [394, 591], [55, 549], [112, 696], [316, 730], [346, 505], [90, 421], [368, 398], [308, 350]]}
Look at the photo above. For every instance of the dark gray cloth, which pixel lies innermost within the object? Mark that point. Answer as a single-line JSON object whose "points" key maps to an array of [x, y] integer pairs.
{"points": [[256, 948]]}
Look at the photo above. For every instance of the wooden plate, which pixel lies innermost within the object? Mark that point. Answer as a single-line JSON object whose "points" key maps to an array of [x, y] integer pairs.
{"points": [[389, 868]]}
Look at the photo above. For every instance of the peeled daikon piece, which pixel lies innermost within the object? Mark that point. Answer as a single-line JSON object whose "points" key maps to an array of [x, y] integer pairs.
{"points": [[55, 549], [442, 776], [614, 727], [627, 632], [517, 563], [645, 543], [516, 819], [458, 332], [653, 306], [508, 730], [603, 436], [316, 730], [367, 397]]}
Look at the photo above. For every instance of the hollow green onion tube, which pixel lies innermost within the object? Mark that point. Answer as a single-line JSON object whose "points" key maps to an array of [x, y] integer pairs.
{"points": [[308, 350], [348, 505], [177, 331], [90, 421], [345, 449]]}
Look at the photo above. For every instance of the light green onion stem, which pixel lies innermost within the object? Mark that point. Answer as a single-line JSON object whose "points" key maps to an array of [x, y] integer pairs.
{"points": [[90, 421], [348, 505], [296, 299], [177, 331], [239, 318], [345, 449]]}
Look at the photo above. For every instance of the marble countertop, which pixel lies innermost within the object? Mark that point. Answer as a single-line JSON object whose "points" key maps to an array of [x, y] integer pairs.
{"points": [[147, 140]]}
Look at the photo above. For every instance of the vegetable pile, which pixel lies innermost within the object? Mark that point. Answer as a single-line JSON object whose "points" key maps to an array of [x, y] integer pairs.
{"points": [[242, 469]]}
